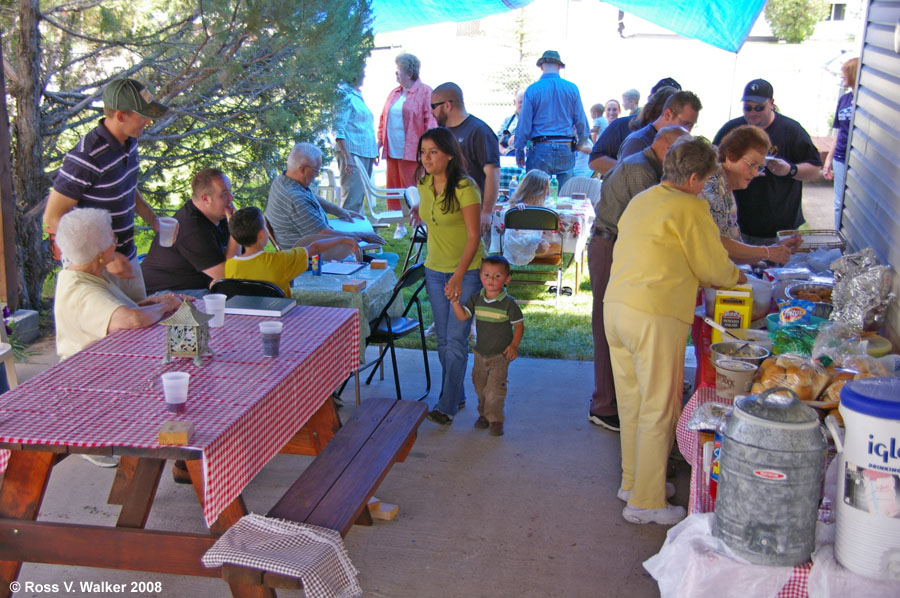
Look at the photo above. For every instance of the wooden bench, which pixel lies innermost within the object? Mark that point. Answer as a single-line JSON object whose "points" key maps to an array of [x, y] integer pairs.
{"points": [[335, 489]]}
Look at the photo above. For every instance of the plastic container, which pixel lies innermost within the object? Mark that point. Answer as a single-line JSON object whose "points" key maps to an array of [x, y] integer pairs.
{"points": [[867, 539], [770, 480], [554, 187], [733, 377]]}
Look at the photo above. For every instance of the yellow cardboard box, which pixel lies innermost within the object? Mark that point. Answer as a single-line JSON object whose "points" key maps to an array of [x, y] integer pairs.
{"points": [[734, 307]]}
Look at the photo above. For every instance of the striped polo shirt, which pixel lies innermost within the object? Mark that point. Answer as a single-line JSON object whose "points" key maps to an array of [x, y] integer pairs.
{"points": [[100, 172], [494, 319]]}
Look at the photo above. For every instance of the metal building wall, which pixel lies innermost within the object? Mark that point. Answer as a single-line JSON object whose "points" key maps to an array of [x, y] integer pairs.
{"points": [[872, 195]]}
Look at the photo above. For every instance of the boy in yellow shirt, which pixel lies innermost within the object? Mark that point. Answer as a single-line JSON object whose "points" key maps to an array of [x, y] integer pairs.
{"points": [[248, 227]]}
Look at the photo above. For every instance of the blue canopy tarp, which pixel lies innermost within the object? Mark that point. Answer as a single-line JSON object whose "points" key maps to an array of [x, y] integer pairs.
{"points": [[722, 23]]}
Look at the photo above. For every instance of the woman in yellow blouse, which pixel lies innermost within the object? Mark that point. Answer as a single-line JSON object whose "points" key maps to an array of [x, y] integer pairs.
{"points": [[450, 207], [668, 244]]}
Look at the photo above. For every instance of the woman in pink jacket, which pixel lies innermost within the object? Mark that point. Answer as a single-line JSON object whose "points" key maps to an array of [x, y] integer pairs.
{"points": [[406, 115]]}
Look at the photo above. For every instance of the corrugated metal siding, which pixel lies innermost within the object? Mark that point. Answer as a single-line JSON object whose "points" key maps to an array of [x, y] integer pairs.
{"points": [[872, 195]]}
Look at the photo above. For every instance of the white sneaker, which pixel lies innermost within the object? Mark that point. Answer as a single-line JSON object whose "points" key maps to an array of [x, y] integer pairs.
{"points": [[624, 495], [400, 231], [669, 515], [101, 460], [430, 330]]}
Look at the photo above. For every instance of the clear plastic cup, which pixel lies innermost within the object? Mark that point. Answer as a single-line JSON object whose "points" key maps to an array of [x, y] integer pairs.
{"points": [[270, 333], [168, 228], [175, 389], [215, 306]]}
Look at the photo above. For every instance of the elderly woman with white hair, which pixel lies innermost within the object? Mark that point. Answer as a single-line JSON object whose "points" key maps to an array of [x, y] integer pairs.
{"points": [[86, 306], [668, 244]]}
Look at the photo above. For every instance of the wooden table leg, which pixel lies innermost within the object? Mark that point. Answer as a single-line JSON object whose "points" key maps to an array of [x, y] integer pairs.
{"points": [[141, 492], [229, 516], [315, 433], [118, 494], [21, 494]]}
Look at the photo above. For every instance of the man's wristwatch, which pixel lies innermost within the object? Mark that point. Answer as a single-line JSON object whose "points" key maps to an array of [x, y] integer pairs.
{"points": [[793, 171]]}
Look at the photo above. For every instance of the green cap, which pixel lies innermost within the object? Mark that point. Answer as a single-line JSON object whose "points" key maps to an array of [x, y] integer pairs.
{"points": [[128, 94]]}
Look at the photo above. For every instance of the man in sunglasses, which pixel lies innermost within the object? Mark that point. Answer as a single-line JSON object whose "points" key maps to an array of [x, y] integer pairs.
{"points": [[773, 201]]}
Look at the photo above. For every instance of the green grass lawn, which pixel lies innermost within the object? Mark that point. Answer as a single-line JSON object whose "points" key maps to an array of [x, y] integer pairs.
{"points": [[550, 332]]}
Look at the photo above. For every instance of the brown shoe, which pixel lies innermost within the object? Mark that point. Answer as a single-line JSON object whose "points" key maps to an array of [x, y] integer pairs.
{"points": [[180, 472], [482, 423], [496, 429]]}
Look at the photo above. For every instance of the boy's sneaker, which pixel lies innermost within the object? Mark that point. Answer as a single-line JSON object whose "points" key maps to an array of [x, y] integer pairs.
{"points": [[624, 495], [482, 423], [668, 515], [610, 422], [400, 231], [439, 418], [496, 429], [101, 460]]}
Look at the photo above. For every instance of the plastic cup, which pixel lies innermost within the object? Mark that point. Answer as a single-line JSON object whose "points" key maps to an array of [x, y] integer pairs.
{"points": [[270, 333], [175, 389], [215, 305], [168, 227]]}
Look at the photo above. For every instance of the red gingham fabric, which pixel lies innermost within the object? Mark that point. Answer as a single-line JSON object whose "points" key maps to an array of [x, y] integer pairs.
{"points": [[244, 407]]}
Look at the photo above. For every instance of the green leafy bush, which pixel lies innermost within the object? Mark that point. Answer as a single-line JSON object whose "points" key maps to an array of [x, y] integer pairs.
{"points": [[795, 20]]}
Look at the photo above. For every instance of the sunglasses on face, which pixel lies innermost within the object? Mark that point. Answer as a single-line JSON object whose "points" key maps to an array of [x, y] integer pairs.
{"points": [[749, 108], [433, 106]]}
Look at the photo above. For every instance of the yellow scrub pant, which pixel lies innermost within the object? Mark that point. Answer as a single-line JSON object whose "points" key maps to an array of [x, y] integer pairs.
{"points": [[647, 356]]}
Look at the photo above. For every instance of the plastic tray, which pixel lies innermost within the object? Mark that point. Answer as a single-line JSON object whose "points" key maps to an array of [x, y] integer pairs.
{"points": [[816, 239]]}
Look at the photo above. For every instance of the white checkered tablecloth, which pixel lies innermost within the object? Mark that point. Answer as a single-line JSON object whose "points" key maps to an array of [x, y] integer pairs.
{"points": [[244, 407]]}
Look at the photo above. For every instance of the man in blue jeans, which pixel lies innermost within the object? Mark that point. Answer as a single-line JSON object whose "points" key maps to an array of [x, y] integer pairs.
{"points": [[553, 120]]}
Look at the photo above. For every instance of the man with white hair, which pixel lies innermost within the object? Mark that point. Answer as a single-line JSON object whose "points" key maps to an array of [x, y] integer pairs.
{"points": [[294, 211]]}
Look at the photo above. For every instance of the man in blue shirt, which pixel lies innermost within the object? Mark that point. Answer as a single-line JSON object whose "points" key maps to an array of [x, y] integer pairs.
{"points": [[553, 120]]}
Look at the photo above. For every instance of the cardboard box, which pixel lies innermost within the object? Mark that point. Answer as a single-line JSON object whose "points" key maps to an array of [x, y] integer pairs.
{"points": [[734, 307], [378, 264], [353, 286]]}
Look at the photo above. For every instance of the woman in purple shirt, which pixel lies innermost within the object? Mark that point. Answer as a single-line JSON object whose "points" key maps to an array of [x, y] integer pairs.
{"points": [[835, 167]]}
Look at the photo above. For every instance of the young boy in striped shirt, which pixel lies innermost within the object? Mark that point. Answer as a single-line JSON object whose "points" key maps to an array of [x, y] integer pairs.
{"points": [[499, 325]]}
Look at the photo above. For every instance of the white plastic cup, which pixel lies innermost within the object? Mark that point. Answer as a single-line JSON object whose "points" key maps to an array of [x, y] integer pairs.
{"points": [[175, 389], [168, 227], [215, 306], [270, 334]]}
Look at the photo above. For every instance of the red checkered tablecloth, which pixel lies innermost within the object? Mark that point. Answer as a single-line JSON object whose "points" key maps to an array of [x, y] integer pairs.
{"points": [[244, 407]]}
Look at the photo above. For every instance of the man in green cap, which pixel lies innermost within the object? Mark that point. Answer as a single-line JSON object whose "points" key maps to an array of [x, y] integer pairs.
{"points": [[101, 171]]}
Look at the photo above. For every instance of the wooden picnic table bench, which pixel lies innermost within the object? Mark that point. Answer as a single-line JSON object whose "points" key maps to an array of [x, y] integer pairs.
{"points": [[334, 491]]}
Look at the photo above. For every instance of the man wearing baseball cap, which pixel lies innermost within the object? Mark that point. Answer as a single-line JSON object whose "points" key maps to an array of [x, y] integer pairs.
{"points": [[773, 200], [101, 171], [553, 120]]}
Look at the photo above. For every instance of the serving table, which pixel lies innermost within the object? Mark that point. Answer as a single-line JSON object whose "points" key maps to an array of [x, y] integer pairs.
{"points": [[107, 400]]}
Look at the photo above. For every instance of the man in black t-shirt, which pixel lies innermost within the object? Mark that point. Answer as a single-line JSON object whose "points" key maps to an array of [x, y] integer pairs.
{"points": [[773, 201], [197, 258], [477, 142]]}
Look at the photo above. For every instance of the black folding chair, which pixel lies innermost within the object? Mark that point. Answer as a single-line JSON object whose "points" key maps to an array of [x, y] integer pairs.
{"points": [[419, 237], [385, 329], [240, 286], [536, 218]]}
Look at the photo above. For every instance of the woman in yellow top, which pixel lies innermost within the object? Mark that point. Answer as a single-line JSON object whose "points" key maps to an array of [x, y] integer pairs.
{"points": [[668, 244], [450, 207]]}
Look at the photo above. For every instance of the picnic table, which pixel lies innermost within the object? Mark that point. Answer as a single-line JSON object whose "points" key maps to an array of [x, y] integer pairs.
{"points": [[106, 400]]}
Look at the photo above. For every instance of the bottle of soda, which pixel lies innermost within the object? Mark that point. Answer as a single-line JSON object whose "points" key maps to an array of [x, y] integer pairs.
{"points": [[513, 185], [554, 187]]}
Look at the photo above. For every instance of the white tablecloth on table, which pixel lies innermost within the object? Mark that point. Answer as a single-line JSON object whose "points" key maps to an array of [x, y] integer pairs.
{"points": [[574, 223]]}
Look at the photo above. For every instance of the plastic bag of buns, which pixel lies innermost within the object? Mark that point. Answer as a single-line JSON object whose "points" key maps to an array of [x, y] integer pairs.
{"points": [[806, 378], [853, 367]]}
